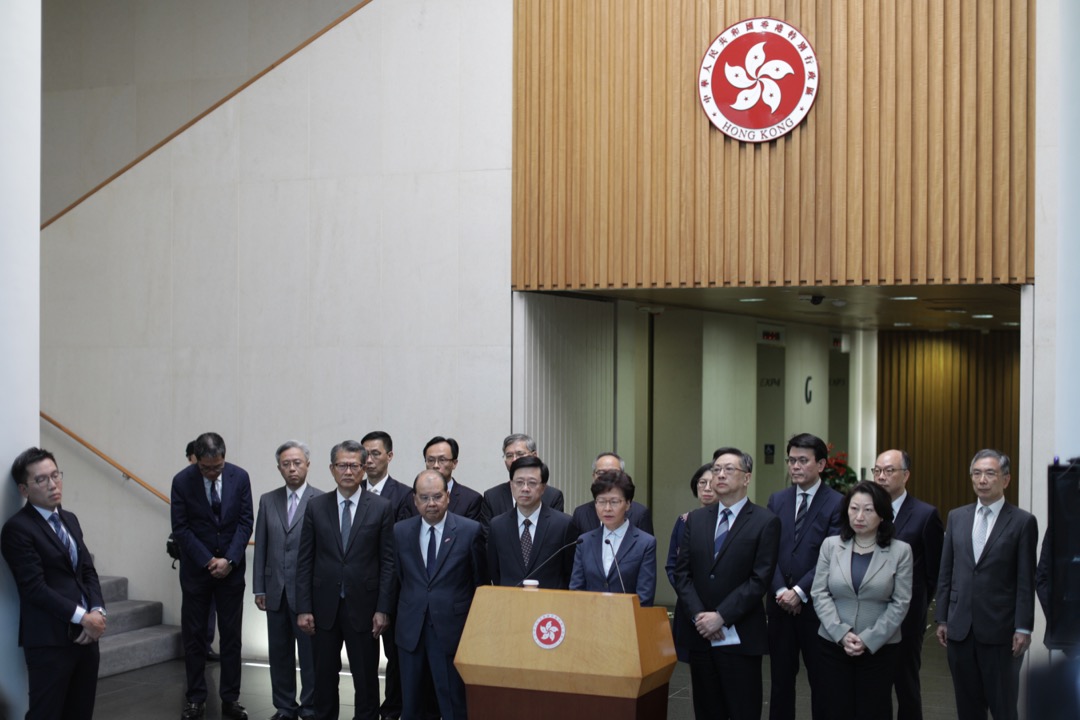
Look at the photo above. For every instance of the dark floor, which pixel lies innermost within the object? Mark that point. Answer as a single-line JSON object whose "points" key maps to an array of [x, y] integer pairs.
{"points": [[158, 691]]}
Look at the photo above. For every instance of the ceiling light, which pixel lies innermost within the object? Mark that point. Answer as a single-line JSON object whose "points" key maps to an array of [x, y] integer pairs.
{"points": [[982, 317], [751, 300], [901, 324], [905, 298]]}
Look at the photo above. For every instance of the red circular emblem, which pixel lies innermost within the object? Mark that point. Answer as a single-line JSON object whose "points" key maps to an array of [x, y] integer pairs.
{"points": [[548, 631], [758, 79]]}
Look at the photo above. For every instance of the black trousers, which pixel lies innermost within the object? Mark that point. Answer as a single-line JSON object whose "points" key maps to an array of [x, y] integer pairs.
{"points": [[909, 662], [391, 707], [63, 681], [725, 685], [985, 677], [228, 597], [362, 650], [790, 636], [858, 688]]}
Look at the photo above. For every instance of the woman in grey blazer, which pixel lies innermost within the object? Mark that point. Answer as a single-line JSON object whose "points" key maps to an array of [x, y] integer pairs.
{"points": [[862, 589]]}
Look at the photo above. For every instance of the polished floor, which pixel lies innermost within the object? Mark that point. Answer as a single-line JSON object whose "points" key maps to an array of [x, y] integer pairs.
{"points": [[158, 691]]}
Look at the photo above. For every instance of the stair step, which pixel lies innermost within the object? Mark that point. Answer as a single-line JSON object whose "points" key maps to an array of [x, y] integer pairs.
{"points": [[138, 648], [127, 615], [113, 588]]}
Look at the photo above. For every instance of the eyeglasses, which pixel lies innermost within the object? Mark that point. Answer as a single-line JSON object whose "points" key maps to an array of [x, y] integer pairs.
{"points": [[292, 463], [345, 467], [609, 502], [519, 484], [988, 474], [214, 469], [436, 498], [511, 456], [801, 461], [703, 483], [886, 471], [43, 480], [726, 469], [433, 461], [375, 454]]}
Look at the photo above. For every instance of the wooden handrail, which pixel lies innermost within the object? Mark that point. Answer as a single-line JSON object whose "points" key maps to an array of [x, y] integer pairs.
{"points": [[128, 475]]}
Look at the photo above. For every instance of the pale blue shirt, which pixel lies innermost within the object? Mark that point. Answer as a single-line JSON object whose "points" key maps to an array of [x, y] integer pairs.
{"points": [[616, 537]]}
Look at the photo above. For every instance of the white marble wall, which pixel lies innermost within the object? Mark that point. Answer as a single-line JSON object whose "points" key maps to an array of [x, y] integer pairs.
{"points": [[326, 254], [120, 75]]}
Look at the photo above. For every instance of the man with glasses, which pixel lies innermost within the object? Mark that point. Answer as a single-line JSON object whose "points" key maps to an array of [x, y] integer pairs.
{"points": [[278, 527], [586, 517], [523, 543], [212, 520], [61, 610], [986, 593], [500, 498], [809, 511], [439, 564], [723, 570], [344, 583], [441, 455], [918, 524]]}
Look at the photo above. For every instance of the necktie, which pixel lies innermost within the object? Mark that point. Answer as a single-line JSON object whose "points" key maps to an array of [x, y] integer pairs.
{"points": [[800, 516], [346, 523], [432, 551], [526, 542], [978, 541], [215, 499], [721, 532], [65, 539], [292, 507]]}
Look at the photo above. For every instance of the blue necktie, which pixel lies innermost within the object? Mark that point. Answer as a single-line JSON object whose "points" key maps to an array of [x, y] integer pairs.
{"points": [[65, 539], [432, 550], [215, 499], [346, 524], [721, 532]]}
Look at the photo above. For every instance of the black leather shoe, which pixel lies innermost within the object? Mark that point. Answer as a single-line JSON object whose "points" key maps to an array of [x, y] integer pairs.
{"points": [[212, 656], [193, 711], [233, 710], [281, 716]]}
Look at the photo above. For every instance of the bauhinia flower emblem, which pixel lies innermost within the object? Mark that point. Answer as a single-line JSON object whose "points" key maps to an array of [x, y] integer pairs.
{"points": [[548, 631], [757, 80]]}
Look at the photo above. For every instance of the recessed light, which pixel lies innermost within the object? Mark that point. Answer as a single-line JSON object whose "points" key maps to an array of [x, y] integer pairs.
{"points": [[1011, 324], [904, 298], [901, 324], [982, 317], [750, 300]]}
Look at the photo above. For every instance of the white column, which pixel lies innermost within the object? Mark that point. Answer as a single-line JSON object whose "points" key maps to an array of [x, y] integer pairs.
{"points": [[20, 183]]}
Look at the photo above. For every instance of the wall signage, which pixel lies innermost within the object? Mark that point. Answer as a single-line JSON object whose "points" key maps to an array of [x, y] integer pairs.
{"points": [[758, 79]]}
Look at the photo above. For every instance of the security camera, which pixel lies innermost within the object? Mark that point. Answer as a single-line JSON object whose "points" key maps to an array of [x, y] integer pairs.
{"points": [[817, 299]]}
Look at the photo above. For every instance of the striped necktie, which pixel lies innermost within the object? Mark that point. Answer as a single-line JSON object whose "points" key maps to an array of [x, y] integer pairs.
{"points": [[65, 539], [800, 516]]}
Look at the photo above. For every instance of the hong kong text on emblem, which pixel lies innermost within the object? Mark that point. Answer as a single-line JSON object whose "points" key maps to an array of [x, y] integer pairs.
{"points": [[549, 631], [758, 79]]}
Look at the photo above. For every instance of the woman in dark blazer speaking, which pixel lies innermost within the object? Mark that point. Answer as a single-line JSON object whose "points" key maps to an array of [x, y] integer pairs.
{"points": [[862, 590]]}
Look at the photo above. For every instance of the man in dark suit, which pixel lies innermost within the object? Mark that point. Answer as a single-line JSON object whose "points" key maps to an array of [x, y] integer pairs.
{"points": [[278, 527], [523, 543], [809, 511], [61, 611], [439, 563], [585, 517], [380, 451], [919, 525], [986, 593], [212, 519], [500, 498], [441, 455], [344, 583], [723, 570]]}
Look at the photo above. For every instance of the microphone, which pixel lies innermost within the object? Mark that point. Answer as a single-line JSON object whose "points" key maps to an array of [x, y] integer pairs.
{"points": [[549, 559], [623, 585]]}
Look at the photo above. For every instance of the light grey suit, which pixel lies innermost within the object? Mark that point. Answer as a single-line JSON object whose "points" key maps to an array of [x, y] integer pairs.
{"points": [[274, 575], [875, 612]]}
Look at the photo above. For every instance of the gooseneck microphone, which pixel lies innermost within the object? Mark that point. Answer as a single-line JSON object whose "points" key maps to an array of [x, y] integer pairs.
{"points": [[549, 559], [621, 583]]}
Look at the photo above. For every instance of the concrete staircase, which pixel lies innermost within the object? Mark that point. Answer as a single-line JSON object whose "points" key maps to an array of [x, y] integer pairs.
{"points": [[135, 636]]}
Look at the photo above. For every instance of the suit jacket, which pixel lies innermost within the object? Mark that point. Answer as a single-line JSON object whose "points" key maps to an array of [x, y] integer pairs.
{"points": [[49, 587], [200, 535], [733, 583], [363, 570], [277, 544], [500, 499], [996, 596], [636, 561], [797, 560], [464, 501], [586, 519], [400, 497], [875, 612], [552, 531], [447, 595], [919, 525]]}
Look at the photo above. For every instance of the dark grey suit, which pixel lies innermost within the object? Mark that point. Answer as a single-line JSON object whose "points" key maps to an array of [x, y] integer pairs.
{"points": [[983, 604], [277, 543]]}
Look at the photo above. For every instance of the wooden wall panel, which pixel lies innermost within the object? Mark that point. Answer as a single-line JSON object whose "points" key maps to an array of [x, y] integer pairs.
{"points": [[913, 167], [943, 397]]}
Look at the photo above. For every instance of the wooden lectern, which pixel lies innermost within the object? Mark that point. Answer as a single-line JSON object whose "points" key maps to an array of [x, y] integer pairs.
{"points": [[528, 653]]}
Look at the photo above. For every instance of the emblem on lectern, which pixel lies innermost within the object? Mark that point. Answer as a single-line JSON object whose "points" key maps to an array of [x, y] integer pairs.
{"points": [[548, 631]]}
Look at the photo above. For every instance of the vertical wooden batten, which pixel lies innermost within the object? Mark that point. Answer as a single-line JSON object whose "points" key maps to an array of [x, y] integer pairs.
{"points": [[913, 167]]}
